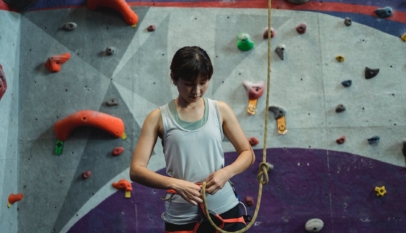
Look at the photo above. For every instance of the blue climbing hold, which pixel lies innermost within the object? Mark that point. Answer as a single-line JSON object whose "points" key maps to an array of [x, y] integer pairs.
{"points": [[346, 83], [373, 140], [384, 12]]}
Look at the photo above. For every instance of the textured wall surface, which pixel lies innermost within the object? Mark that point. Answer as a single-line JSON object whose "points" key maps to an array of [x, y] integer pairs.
{"points": [[9, 60], [309, 164]]}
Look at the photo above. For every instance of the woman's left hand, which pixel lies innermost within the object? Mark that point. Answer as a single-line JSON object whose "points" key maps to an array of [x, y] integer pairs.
{"points": [[217, 180]]}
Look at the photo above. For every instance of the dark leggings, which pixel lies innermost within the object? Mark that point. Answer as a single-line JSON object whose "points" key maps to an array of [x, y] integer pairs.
{"points": [[206, 227]]}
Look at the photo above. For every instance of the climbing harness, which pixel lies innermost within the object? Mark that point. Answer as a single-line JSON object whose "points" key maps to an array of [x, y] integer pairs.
{"points": [[206, 213], [263, 166]]}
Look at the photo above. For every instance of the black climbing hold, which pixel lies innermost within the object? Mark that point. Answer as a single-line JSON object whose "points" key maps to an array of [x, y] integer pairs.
{"points": [[151, 28], [112, 102], [297, 2], [404, 148], [384, 12], [69, 26], [346, 83], [109, 51], [373, 140], [277, 111], [370, 73], [280, 50], [340, 108], [347, 21]]}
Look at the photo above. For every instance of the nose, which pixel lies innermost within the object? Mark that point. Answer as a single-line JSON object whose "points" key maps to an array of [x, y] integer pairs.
{"points": [[195, 89]]}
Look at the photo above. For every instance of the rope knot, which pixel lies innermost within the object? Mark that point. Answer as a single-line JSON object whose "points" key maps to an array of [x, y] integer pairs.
{"points": [[263, 173]]}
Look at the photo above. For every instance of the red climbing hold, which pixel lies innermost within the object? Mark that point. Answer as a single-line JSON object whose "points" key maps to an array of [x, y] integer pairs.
{"points": [[249, 200], [265, 35], [118, 5], [117, 151], [255, 90], [12, 198], [253, 141], [301, 28], [341, 140], [54, 63], [86, 174], [3, 82], [123, 184]]}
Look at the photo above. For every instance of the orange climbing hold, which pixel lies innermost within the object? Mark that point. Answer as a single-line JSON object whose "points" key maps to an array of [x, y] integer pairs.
{"points": [[111, 124], [54, 63], [12, 198], [124, 185], [118, 5]]}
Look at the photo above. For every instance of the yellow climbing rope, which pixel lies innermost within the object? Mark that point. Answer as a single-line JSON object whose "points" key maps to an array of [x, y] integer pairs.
{"points": [[263, 166]]}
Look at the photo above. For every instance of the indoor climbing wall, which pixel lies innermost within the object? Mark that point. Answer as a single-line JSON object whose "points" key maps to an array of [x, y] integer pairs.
{"points": [[9, 69], [338, 73]]}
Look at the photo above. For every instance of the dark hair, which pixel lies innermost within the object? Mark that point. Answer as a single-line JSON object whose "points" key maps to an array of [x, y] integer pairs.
{"points": [[190, 63]]}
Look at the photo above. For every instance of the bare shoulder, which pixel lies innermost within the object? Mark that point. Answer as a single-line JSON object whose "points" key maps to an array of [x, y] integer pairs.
{"points": [[154, 121], [225, 110]]}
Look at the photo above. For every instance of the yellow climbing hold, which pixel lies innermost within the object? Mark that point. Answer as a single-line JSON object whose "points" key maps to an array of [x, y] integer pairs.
{"points": [[124, 136], [380, 191], [340, 58], [403, 37]]}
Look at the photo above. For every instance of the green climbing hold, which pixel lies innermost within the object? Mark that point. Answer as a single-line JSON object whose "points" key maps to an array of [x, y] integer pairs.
{"points": [[58, 147], [244, 43]]}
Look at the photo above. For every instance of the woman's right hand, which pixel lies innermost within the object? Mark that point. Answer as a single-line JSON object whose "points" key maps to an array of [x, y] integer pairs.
{"points": [[189, 191]]}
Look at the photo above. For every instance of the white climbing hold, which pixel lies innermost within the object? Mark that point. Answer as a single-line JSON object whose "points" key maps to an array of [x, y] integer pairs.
{"points": [[314, 225]]}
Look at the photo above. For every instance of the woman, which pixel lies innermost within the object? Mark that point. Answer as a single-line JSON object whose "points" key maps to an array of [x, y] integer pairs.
{"points": [[191, 129]]}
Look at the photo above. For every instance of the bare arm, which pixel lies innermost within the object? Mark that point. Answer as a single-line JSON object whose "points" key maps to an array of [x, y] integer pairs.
{"points": [[246, 157], [141, 174]]}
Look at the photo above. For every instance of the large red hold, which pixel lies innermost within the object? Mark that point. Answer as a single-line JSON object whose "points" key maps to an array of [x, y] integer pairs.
{"points": [[3, 82]]}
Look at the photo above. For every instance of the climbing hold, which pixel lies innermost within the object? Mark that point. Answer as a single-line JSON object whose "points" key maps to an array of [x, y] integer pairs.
{"points": [[280, 50], [111, 124], [86, 174], [54, 63], [373, 140], [346, 83], [370, 73], [109, 51], [384, 12], [279, 115], [341, 140], [380, 191], [124, 185], [254, 91], [278, 112], [404, 148], [265, 34], [297, 2], [69, 26], [301, 28], [3, 82], [347, 21], [151, 28], [339, 58], [112, 102], [118, 5], [117, 151], [249, 200], [253, 141], [13, 198], [314, 225], [244, 42], [340, 108], [403, 37]]}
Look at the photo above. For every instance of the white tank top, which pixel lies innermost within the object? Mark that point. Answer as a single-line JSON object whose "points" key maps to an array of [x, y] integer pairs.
{"points": [[193, 155]]}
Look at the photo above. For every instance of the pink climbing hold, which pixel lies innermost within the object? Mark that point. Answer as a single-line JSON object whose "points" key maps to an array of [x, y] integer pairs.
{"points": [[86, 174], [341, 140], [54, 63], [250, 201], [254, 90], [301, 28], [253, 141], [265, 35], [117, 151], [3, 82]]}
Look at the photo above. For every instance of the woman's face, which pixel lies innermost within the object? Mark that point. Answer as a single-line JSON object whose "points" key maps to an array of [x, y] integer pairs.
{"points": [[191, 91]]}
